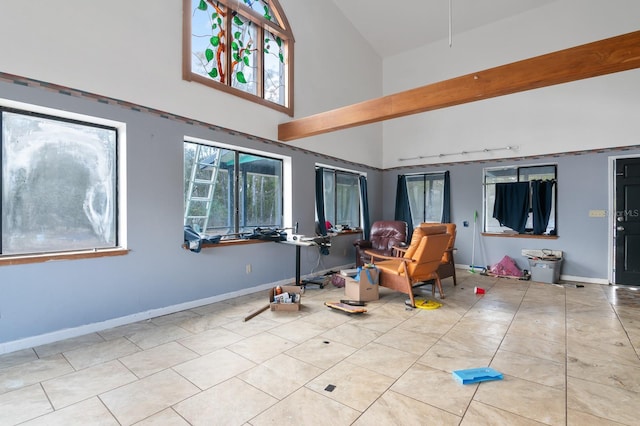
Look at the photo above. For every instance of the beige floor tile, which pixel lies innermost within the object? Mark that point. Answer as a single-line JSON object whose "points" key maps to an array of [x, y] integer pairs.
{"points": [[33, 372], [529, 328], [577, 418], [280, 376], [139, 400], [396, 409], [232, 402], [261, 347], [443, 356], [298, 331], [83, 384], [542, 403], [592, 352], [481, 328], [167, 417], [544, 349], [174, 318], [351, 335], [489, 316], [470, 341], [210, 340], [250, 328], [436, 388], [158, 358], [23, 404], [89, 412], [375, 357], [381, 323], [598, 400], [127, 330], [605, 372], [530, 368], [321, 352], [158, 335], [326, 318], [213, 368], [407, 341], [479, 414], [67, 345], [352, 385], [306, 407], [16, 358], [202, 323], [98, 353]]}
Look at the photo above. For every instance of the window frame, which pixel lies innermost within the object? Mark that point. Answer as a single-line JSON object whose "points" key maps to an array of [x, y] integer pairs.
{"points": [[346, 172], [519, 170], [285, 185], [426, 176], [280, 28], [120, 246]]}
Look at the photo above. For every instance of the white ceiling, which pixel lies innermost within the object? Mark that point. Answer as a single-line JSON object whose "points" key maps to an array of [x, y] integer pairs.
{"points": [[396, 26]]}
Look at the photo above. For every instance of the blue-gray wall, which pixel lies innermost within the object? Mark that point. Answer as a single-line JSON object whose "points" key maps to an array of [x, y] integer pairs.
{"points": [[583, 185], [43, 298]]}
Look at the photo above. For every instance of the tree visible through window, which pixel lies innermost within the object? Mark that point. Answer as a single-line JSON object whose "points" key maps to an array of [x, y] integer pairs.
{"points": [[426, 197], [341, 198], [230, 192], [243, 47], [59, 187]]}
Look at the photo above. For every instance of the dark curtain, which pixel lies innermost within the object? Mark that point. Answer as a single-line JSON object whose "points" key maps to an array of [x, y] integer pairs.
{"points": [[322, 227], [541, 196], [511, 207], [446, 199], [403, 209], [366, 224]]}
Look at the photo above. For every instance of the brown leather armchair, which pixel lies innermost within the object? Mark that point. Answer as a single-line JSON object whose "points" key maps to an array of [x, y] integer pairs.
{"points": [[385, 235]]}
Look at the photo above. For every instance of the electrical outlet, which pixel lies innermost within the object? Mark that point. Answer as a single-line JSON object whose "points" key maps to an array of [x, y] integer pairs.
{"points": [[248, 268]]}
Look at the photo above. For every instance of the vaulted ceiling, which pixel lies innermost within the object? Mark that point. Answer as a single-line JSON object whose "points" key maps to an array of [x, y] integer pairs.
{"points": [[396, 26]]}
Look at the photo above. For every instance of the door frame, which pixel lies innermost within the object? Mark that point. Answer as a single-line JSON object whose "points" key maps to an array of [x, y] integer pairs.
{"points": [[611, 213]]}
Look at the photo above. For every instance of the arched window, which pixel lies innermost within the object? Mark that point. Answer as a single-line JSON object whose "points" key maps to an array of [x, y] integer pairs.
{"points": [[243, 47]]}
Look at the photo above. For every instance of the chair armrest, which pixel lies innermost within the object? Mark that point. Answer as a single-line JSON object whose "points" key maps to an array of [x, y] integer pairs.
{"points": [[382, 256], [363, 244]]}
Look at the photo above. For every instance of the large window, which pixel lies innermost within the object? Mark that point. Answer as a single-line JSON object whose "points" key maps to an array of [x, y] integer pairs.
{"points": [[244, 47], [341, 198], [230, 192], [426, 197], [59, 184], [492, 176]]}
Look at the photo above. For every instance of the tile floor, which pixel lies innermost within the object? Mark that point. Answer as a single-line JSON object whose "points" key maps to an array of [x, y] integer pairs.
{"points": [[569, 357]]}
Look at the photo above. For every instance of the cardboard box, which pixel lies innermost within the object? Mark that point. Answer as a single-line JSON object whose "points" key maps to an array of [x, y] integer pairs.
{"points": [[362, 291], [294, 291]]}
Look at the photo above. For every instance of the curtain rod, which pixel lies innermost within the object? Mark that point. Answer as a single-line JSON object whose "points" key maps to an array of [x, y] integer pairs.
{"points": [[421, 157]]}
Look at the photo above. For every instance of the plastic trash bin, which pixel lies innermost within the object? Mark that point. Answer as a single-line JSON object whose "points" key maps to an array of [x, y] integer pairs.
{"points": [[546, 271]]}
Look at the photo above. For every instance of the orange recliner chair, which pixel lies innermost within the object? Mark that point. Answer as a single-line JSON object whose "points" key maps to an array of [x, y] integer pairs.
{"points": [[420, 262], [447, 267]]}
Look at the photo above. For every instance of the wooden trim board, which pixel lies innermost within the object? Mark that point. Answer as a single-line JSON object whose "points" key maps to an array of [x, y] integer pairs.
{"points": [[612, 55]]}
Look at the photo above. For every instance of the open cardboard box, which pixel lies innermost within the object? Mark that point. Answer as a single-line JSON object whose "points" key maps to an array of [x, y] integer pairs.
{"points": [[362, 290], [291, 289]]}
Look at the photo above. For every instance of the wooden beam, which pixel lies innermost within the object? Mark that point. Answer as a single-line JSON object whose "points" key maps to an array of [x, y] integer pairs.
{"points": [[602, 57]]}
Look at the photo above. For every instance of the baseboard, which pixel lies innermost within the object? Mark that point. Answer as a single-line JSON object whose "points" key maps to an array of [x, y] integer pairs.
{"points": [[584, 279], [68, 333]]}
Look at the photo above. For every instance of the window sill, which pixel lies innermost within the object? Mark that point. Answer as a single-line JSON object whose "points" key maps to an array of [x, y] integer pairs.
{"points": [[229, 243], [242, 242], [508, 235], [48, 257]]}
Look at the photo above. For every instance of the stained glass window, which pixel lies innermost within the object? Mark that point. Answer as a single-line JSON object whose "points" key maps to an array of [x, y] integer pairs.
{"points": [[242, 47]]}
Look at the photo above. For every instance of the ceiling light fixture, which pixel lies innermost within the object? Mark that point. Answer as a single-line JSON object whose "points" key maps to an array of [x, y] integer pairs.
{"points": [[485, 150]]}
